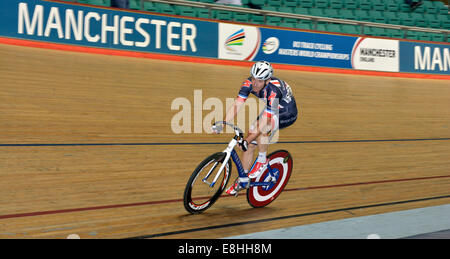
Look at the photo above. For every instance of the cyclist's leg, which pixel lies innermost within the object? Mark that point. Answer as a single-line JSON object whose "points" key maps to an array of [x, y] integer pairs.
{"points": [[247, 157], [263, 146], [274, 132], [263, 139]]}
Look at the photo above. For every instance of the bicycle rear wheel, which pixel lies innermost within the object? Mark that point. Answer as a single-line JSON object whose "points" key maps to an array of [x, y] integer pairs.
{"points": [[261, 196], [198, 194]]}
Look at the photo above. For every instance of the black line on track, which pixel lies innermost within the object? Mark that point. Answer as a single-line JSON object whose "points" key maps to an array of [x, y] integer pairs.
{"points": [[285, 217], [216, 143]]}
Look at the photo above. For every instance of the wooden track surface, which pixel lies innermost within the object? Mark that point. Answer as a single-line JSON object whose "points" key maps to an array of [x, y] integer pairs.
{"points": [[363, 145]]}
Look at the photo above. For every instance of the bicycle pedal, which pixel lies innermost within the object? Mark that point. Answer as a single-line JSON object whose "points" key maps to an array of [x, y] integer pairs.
{"points": [[235, 194]]}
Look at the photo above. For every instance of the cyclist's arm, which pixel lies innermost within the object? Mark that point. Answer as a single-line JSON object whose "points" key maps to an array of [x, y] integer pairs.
{"points": [[239, 101], [231, 113]]}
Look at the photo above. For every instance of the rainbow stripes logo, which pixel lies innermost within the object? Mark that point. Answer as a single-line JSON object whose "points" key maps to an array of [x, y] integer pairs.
{"points": [[235, 39], [238, 42]]}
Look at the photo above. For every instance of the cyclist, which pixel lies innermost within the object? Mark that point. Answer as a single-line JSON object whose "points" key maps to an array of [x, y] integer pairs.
{"points": [[280, 112]]}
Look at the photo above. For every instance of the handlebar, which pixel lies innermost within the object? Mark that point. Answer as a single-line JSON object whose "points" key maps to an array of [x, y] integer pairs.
{"points": [[237, 130]]}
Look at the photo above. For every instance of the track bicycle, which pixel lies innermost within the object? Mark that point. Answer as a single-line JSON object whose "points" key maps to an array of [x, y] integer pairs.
{"points": [[211, 176]]}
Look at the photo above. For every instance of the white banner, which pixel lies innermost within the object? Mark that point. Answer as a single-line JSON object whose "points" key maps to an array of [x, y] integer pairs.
{"points": [[376, 54], [238, 42]]}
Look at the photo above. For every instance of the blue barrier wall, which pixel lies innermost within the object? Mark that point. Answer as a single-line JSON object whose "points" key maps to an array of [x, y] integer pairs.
{"points": [[96, 27], [126, 30], [305, 48], [425, 58]]}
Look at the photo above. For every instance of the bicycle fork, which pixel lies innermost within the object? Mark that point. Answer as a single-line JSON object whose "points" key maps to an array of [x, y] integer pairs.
{"points": [[228, 153]]}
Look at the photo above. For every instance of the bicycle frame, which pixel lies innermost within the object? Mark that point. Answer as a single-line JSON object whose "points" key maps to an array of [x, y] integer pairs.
{"points": [[245, 182]]}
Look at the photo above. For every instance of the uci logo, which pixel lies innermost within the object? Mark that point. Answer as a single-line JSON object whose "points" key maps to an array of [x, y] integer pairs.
{"points": [[270, 45]]}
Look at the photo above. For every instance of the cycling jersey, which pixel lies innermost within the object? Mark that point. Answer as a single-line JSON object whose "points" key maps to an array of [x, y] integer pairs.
{"points": [[276, 91]]}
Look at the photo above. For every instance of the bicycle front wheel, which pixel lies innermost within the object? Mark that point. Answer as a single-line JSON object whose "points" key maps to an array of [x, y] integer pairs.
{"points": [[199, 195]]}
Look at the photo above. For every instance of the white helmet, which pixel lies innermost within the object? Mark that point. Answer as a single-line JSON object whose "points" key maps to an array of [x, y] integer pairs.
{"points": [[261, 70]]}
